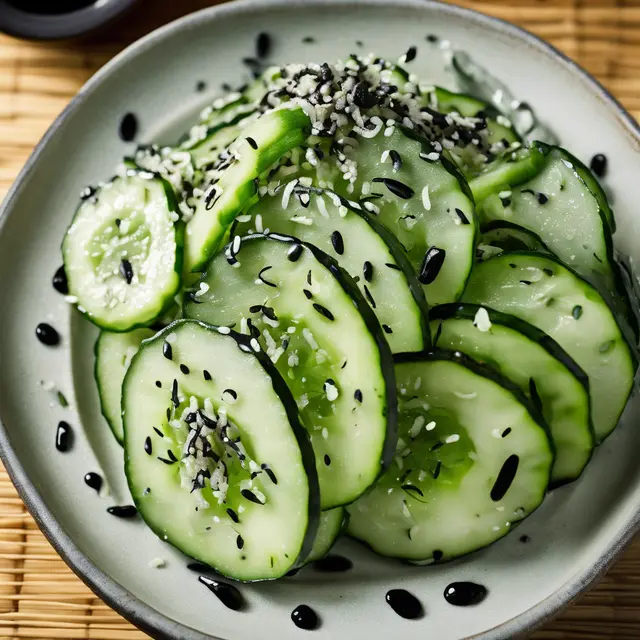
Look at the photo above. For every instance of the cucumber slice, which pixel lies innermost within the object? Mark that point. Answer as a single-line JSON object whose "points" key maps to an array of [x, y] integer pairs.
{"points": [[362, 246], [263, 143], [536, 363], [113, 356], [425, 204], [504, 236], [546, 293], [512, 169], [331, 525], [311, 319], [123, 252], [473, 459], [231, 482]]}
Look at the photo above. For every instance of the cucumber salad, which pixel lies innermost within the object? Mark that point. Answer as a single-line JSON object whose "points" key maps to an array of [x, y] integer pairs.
{"points": [[349, 302]]}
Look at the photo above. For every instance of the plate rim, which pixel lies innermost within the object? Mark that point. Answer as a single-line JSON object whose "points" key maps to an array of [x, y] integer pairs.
{"points": [[142, 615]]}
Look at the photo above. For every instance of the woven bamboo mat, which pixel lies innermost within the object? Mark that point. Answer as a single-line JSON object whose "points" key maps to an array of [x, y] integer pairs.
{"points": [[39, 596]]}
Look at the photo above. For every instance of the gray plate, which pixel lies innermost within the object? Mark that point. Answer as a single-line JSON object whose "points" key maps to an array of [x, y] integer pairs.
{"points": [[574, 535]]}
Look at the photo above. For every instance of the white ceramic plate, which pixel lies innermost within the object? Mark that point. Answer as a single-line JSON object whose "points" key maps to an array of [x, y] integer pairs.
{"points": [[574, 535]]}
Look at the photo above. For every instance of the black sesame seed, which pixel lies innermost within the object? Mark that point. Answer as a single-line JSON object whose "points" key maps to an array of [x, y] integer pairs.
{"points": [[396, 160], [127, 511], [358, 395], [327, 460], [505, 478], [308, 40], [184, 369], [158, 384], [158, 432], [174, 393], [437, 555], [210, 199], [323, 311], [431, 265], [269, 313], [542, 199], [309, 277], [64, 436], [548, 271], [231, 392], [294, 252], [148, 447], [577, 311], [250, 496], [436, 471], [337, 242], [411, 54], [392, 266], [240, 542], [233, 515], [432, 38], [411, 487], [260, 276], [525, 539], [263, 45], [126, 270], [167, 351], [506, 432], [387, 328], [269, 472], [436, 446], [308, 294], [206, 375], [462, 217], [367, 271], [255, 308], [59, 281], [201, 85], [47, 334], [369, 297], [506, 202], [128, 127], [362, 97], [527, 282], [252, 143], [168, 462], [598, 165], [171, 455], [397, 188]]}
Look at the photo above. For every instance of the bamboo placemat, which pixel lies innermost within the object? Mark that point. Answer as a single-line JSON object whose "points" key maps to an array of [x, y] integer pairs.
{"points": [[39, 596]]}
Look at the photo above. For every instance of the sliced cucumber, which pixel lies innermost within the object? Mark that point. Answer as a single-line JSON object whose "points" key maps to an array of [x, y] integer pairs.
{"points": [[311, 319], [231, 481], [536, 363], [546, 293], [505, 236], [425, 204], [123, 252], [509, 171], [473, 459], [331, 525], [362, 246], [113, 355], [262, 144]]}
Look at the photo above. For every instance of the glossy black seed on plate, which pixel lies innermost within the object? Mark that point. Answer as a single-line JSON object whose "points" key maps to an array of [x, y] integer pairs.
{"points": [[431, 265], [148, 446], [333, 564], [411, 54], [505, 478], [233, 515], [247, 494], [542, 198], [465, 594], [206, 375], [93, 481], [47, 334], [59, 281], [158, 432], [128, 127], [404, 604], [263, 45], [184, 369], [64, 436], [598, 165], [126, 511], [167, 350], [228, 594], [304, 617]]}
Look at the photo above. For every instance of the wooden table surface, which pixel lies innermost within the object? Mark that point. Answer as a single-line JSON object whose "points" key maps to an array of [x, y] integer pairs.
{"points": [[39, 596]]}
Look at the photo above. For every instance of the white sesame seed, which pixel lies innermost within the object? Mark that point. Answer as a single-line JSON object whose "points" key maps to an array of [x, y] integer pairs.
{"points": [[482, 320], [325, 433], [431, 426], [224, 330], [452, 438], [426, 202]]}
